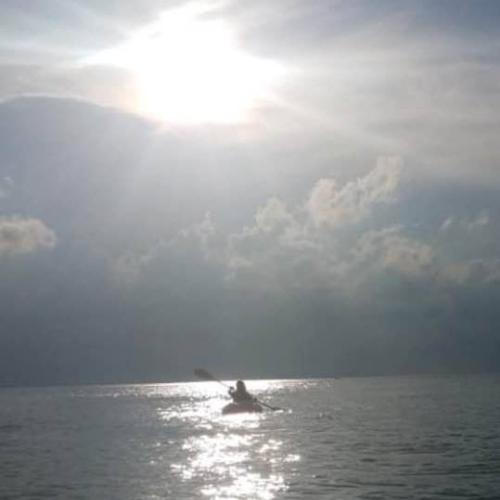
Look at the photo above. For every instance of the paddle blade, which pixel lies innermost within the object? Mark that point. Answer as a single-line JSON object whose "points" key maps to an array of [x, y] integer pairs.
{"points": [[203, 374]]}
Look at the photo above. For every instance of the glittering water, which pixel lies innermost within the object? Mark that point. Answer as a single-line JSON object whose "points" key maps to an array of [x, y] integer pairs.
{"points": [[370, 438]]}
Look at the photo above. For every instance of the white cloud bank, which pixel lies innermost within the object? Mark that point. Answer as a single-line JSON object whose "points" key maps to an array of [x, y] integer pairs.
{"points": [[336, 239], [24, 235], [312, 244], [329, 205]]}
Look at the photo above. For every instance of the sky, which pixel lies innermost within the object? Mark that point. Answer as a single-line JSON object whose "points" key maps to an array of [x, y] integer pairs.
{"points": [[263, 189]]}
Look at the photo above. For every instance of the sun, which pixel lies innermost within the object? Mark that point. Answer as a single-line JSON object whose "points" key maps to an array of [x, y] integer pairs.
{"points": [[189, 69]]}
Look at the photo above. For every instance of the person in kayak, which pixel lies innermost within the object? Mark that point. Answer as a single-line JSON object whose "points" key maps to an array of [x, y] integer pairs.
{"points": [[240, 394]]}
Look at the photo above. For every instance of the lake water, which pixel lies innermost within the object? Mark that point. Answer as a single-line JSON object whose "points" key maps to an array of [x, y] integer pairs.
{"points": [[367, 438]]}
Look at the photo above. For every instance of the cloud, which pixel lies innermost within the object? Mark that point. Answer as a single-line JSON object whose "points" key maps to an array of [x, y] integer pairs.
{"points": [[325, 243], [204, 234], [389, 249], [273, 216], [265, 252], [331, 206], [194, 247], [24, 235], [258, 271], [480, 220], [331, 262], [309, 245], [338, 240]]}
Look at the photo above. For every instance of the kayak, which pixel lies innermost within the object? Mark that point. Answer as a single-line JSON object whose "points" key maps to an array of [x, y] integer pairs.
{"points": [[242, 407]]}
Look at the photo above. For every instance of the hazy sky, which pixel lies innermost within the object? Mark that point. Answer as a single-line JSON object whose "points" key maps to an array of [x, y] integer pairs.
{"points": [[265, 189]]}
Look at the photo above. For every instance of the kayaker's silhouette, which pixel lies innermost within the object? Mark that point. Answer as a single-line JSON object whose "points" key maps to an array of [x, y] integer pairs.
{"points": [[240, 394]]}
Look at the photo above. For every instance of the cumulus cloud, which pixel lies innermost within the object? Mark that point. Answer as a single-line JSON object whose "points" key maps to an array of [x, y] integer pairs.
{"points": [[301, 246], [390, 249], [333, 206], [24, 235], [274, 224], [480, 220], [273, 216], [324, 244], [280, 250]]}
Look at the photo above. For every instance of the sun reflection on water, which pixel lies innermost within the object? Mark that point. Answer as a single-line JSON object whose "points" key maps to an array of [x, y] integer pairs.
{"points": [[224, 462], [227, 457]]}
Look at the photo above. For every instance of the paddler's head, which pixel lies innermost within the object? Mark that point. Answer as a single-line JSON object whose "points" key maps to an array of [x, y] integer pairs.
{"points": [[240, 385]]}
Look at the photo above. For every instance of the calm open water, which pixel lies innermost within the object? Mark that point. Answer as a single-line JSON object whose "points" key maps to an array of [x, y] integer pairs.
{"points": [[369, 438]]}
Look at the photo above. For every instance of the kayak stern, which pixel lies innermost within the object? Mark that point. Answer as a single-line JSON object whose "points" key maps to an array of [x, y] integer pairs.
{"points": [[242, 407]]}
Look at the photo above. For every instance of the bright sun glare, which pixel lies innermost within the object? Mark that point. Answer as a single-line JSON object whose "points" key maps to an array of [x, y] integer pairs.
{"points": [[190, 70]]}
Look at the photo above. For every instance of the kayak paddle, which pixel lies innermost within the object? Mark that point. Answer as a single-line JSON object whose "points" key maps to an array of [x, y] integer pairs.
{"points": [[203, 374]]}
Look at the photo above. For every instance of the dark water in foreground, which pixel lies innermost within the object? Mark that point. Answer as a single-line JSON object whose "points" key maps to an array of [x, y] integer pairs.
{"points": [[370, 438]]}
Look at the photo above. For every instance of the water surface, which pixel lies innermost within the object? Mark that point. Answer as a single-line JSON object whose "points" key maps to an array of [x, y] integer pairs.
{"points": [[367, 438]]}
